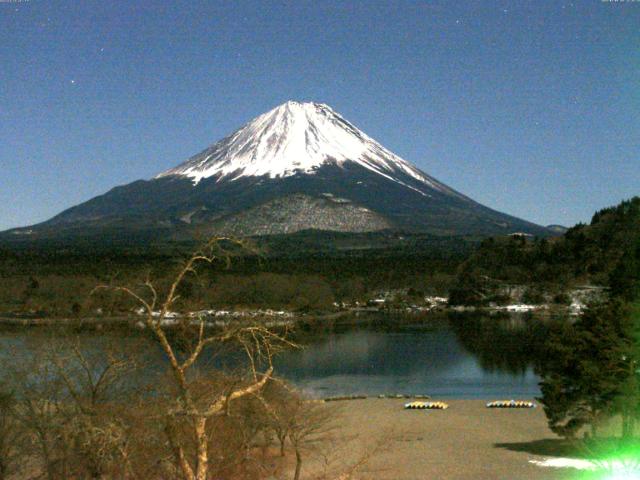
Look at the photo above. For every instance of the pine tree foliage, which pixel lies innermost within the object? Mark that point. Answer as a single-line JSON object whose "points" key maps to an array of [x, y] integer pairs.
{"points": [[592, 369], [595, 253], [585, 370]]}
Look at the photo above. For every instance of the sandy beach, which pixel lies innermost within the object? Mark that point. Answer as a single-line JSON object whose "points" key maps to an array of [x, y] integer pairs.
{"points": [[466, 441]]}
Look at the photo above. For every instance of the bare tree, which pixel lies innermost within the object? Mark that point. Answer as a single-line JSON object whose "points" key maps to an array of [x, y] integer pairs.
{"points": [[98, 390], [40, 414], [196, 402], [310, 424], [11, 436], [60, 401], [281, 405]]}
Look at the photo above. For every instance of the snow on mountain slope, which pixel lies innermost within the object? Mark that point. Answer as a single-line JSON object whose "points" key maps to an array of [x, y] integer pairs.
{"points": [[299, 138], [300, 166]]}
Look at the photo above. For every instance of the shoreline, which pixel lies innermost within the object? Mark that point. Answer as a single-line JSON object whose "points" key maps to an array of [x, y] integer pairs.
{"points": [[276, 318]]}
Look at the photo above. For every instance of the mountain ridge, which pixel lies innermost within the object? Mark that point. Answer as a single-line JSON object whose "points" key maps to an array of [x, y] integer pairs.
{"points": [[292, 152]]}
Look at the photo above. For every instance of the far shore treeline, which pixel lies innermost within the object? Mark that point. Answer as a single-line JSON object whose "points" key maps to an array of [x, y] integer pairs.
{"points": [[312, 271], [303, 271]]}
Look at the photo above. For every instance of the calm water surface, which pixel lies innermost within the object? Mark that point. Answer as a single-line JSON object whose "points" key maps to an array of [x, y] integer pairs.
{"points": [[432, 360], [468, 356]]}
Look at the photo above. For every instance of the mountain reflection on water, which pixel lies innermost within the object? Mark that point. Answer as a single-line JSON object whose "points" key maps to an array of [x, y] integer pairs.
{"points": [[510, 343], [442, 355], [455, 356]]}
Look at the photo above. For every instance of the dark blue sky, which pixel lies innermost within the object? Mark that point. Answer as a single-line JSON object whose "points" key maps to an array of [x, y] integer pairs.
{"points": [[532, 108]]}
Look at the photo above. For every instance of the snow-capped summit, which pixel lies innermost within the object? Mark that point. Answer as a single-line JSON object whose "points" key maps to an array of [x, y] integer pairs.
{"points": [[293, 138], [300, 166]]}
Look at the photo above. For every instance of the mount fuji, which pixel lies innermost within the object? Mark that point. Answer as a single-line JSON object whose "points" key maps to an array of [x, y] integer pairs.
{"points": [[297, 167]]}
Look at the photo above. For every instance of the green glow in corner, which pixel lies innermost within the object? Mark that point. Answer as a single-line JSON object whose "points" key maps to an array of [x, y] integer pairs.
{"points": [[622, 475], [613, 472], [614, 462]]}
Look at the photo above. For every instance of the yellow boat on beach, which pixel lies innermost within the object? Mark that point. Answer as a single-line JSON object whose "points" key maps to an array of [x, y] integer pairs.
{"points": [[511, 404], [426, 406]]}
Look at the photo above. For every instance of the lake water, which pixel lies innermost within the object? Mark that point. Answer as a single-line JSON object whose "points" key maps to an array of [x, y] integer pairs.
{"points": [[419, 359], [454, 356]]}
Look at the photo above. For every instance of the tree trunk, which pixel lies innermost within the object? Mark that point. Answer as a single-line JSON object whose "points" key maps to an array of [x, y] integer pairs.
{"points": [[282, 442], [51, 474], [187, 471], [296, 475], [628, 426], [201, 439]]}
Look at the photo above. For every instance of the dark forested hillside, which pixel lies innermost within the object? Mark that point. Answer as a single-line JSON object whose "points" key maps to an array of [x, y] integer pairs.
{"points": [[308, 269], [312, 269], [584, 254]]}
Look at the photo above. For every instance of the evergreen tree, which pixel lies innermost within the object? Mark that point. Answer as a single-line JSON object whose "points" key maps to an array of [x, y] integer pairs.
{"points": [[586, 370], [625, 287], [592, 368], [629, 395], [625, 278]]}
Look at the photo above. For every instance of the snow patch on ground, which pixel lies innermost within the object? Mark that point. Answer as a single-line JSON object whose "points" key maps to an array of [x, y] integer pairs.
{"points": [[565, 463], [615, 469], [521, 307]]}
